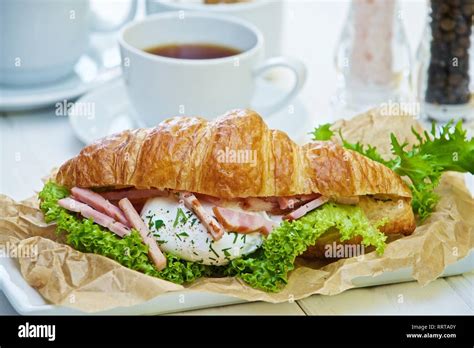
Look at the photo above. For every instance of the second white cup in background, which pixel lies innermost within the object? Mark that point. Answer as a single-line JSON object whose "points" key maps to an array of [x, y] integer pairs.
{"points": [[266, 15]]}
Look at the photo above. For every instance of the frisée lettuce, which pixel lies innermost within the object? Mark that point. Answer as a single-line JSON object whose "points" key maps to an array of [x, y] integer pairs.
{"points": [[435, 152]]}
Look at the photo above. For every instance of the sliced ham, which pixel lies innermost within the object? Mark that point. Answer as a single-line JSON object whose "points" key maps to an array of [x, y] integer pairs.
{"points": [[136, 221], [99, 203], [242, 222], [306, 208], [295, 201], [259, 204], [269, 204], [138, 204], [211, 224], [133, 194], [210, 199], [90, 213]]}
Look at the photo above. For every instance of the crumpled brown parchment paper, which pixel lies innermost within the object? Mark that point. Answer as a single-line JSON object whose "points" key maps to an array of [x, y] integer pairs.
{"points": [[97, 283]]}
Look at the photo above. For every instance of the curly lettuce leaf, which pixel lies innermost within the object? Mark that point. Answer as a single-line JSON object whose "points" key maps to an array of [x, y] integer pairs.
{"points": [[433, 154], [268, 268], [366, 150], [450, 149], [323, 132]]}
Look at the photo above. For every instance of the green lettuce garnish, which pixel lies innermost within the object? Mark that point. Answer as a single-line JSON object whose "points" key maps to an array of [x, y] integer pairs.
{"points": [[323, 132], [432, 155], [266, 269]]}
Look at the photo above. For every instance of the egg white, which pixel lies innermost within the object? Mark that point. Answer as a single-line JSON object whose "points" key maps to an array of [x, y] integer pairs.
{"points": [[187, 238]]}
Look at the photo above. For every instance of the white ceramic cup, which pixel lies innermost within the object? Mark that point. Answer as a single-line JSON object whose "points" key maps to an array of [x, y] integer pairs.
{"points": [[161, 87], [266, 15], [42, 40]]}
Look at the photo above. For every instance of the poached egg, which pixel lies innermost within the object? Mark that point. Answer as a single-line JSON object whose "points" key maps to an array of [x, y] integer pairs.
{"points": [[179, 231]]}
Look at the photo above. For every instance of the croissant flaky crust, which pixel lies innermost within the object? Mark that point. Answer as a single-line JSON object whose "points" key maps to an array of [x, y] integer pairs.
{"points": [[236, 155]]}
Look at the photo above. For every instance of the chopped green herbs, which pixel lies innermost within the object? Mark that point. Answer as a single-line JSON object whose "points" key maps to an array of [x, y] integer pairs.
{"points": [[180, 217], [212, 250], [226, 252], [159, 224], [235, 237], [182, 234]]}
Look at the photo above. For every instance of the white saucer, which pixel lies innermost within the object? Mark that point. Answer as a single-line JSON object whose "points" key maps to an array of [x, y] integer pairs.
{"points": [[87, 74], [112, 112]]}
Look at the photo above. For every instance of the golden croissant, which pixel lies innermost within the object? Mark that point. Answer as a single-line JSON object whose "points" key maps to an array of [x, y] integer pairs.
{"points": [[238, 158]]}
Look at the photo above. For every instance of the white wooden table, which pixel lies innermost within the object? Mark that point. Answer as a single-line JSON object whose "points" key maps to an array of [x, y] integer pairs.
{"points": [[31, 143]]}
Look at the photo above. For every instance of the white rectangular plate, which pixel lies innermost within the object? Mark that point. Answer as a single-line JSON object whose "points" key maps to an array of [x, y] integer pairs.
{"points": [[27, 301]]}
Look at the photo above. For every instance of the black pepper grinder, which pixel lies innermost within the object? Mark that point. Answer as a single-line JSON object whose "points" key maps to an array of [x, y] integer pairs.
{"points": [[445, 54]]}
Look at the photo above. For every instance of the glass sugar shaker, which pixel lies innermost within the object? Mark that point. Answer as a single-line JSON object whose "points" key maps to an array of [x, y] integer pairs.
{"points": [[372, 57]]}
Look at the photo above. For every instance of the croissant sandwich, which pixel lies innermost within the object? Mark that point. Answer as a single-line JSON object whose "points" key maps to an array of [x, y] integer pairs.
{"points": [[230, 197]]}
